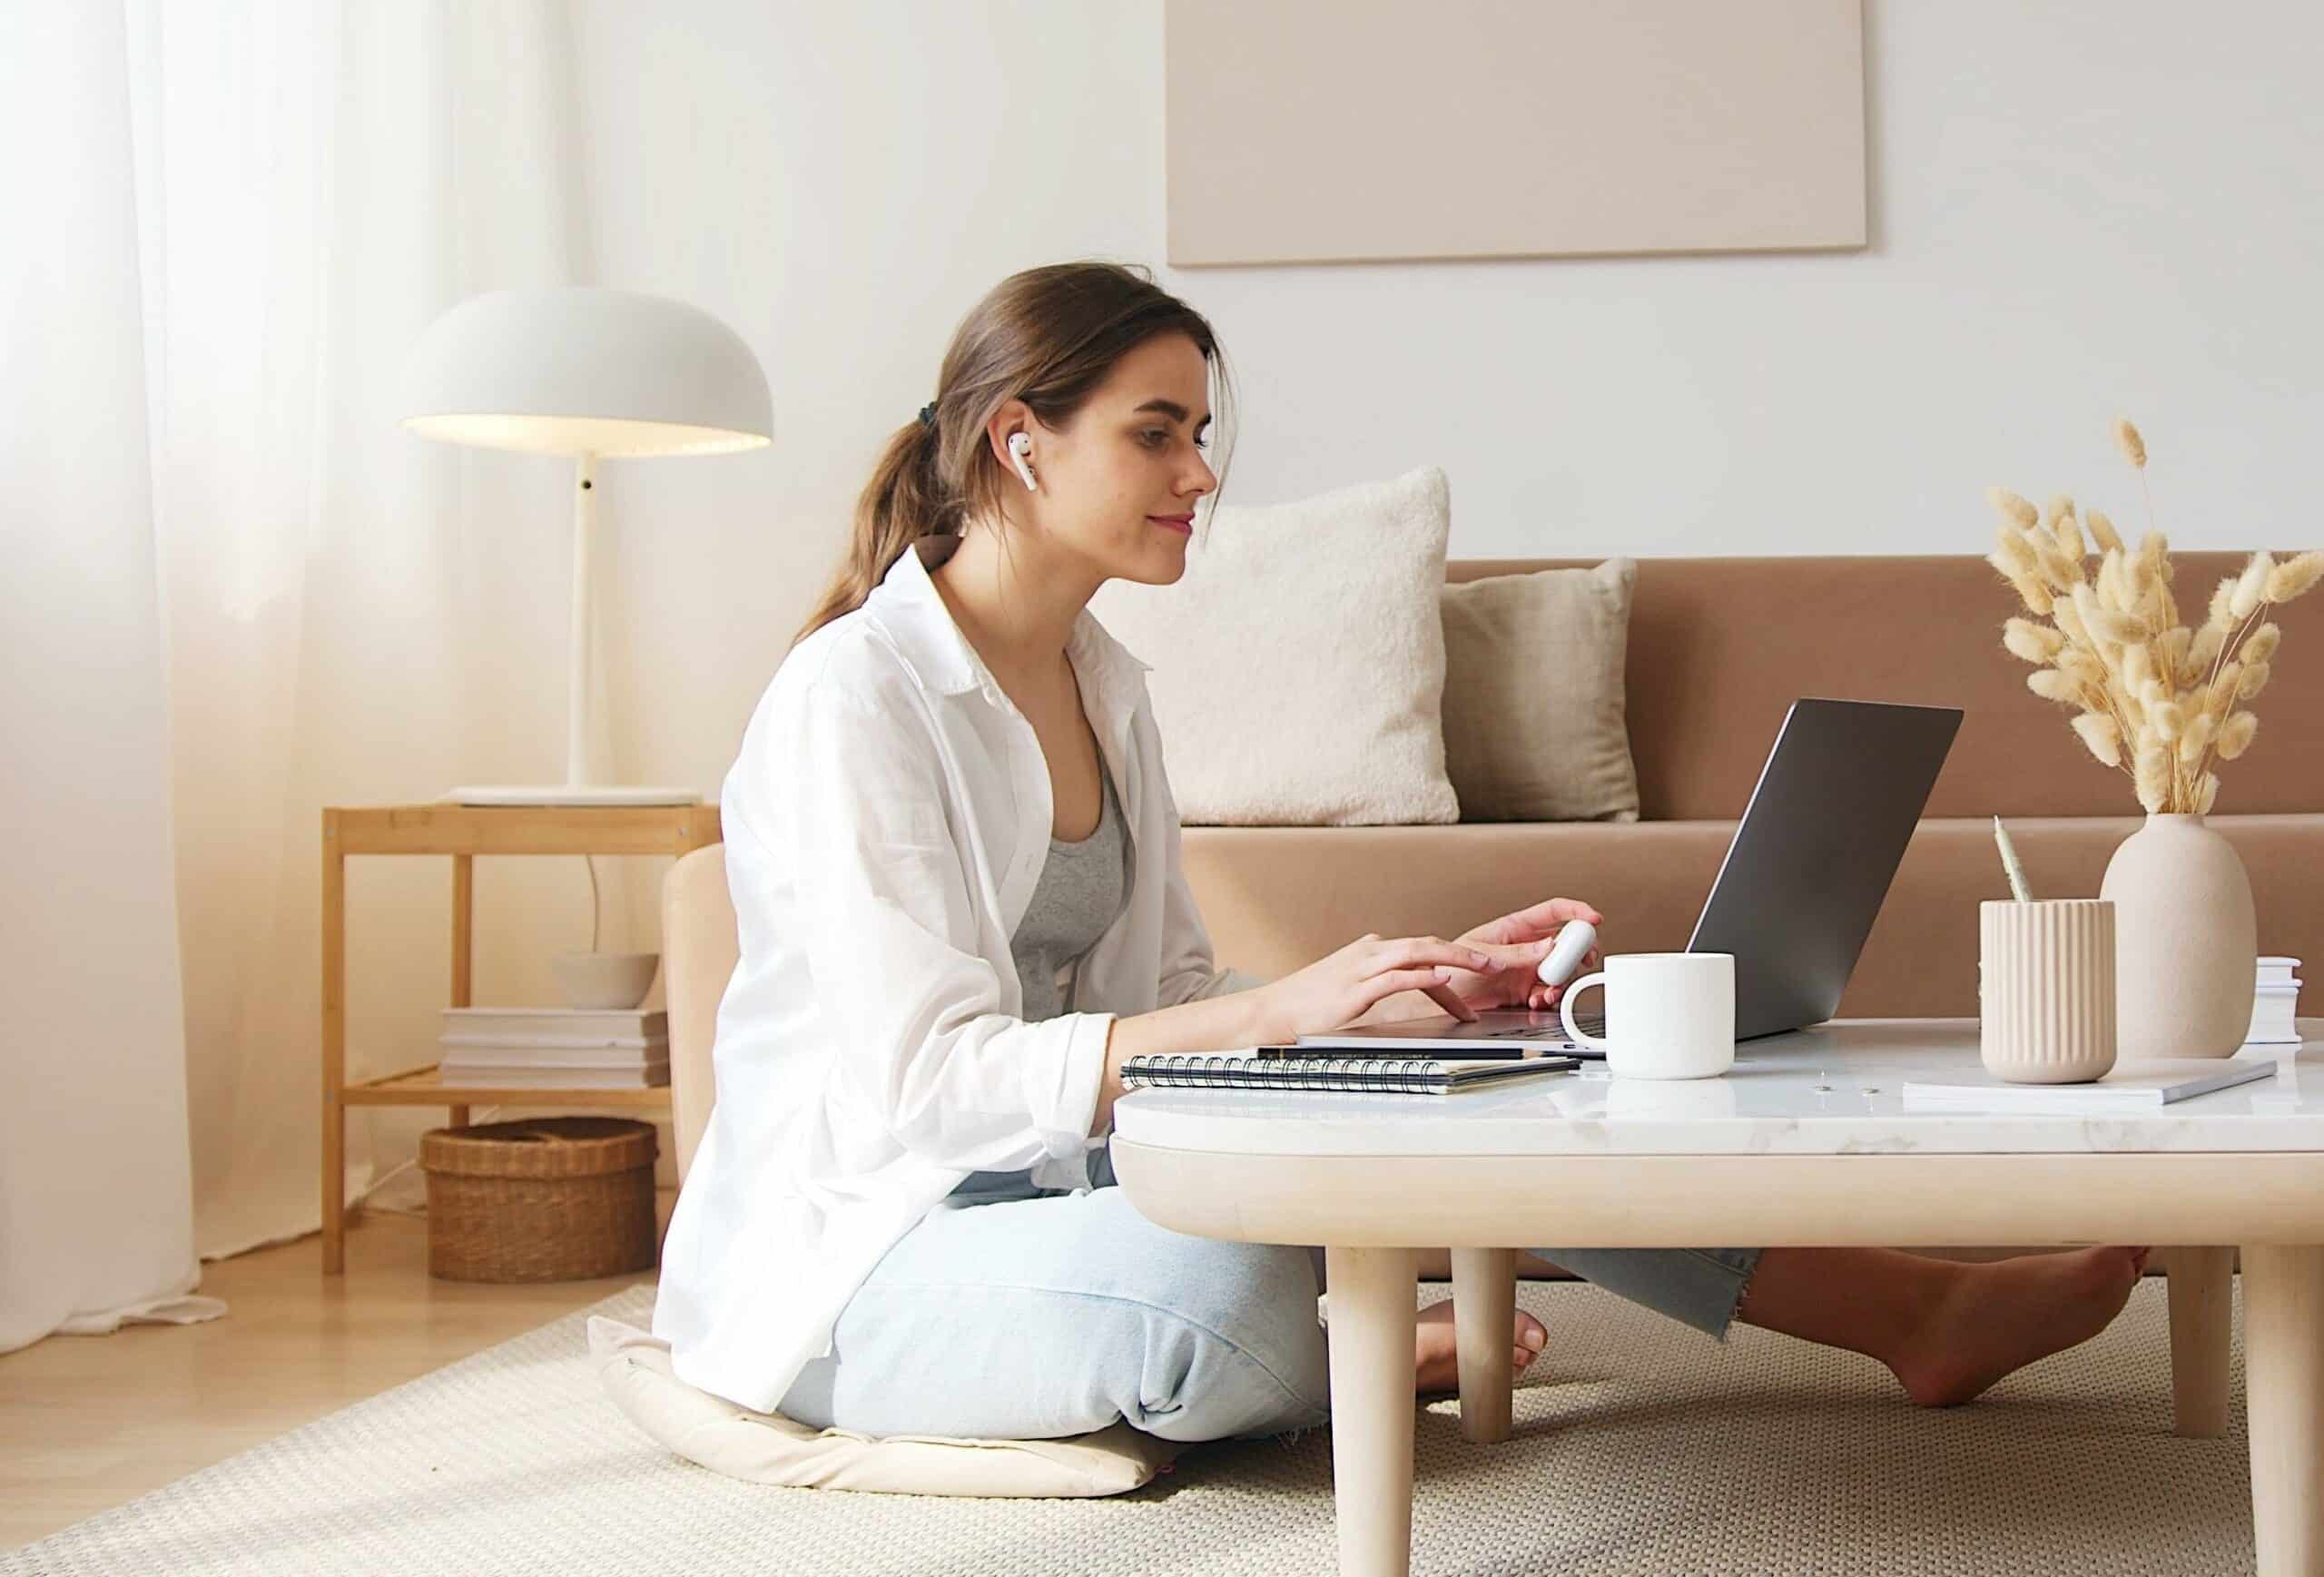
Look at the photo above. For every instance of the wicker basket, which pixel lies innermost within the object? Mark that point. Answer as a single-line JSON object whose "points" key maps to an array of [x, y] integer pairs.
{"points": [[555, 1199]]}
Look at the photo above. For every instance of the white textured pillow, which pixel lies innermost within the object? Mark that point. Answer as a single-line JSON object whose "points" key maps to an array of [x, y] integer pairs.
{"points": [[634, 1366], [1298, 667]]}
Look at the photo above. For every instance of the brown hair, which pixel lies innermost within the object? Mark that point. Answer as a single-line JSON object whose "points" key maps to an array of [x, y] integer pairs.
{"points": [[1049, 337]]}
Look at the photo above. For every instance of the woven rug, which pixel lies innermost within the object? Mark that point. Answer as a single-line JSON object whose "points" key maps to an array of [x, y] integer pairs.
{"points": [[1640, 1447]]}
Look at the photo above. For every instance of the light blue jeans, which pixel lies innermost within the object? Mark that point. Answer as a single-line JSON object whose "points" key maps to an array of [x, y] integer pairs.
{"points": [[1016, 1312]]}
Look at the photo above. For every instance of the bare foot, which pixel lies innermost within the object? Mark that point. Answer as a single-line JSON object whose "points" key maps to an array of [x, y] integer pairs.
{"points": [[1999, 1317], [1436, 1360]]}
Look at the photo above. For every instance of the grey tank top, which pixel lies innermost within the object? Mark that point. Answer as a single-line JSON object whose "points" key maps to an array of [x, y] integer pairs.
{"points": [[1082, 890]]}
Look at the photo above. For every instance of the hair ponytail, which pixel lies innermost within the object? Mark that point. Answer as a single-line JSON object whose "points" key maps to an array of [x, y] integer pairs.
{"points": [[1048, 337], [905, 501]]}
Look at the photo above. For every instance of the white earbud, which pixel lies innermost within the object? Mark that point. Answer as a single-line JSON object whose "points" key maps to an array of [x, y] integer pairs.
{"points": [[1020, 450]]}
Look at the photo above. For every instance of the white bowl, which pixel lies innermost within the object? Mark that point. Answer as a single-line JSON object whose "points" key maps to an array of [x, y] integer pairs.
{"points": [[604, 980]]}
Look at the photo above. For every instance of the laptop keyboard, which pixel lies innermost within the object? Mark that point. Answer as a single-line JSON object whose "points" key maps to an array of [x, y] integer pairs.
{"points": [[1588, 1025]]}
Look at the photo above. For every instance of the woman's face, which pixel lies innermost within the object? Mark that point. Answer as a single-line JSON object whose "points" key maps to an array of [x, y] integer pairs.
{"points": [[1119, 482]]}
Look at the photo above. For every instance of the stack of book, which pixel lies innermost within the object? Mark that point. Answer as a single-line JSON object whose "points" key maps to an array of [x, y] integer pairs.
{"points": [[568, 1048], [2275, 1004]]}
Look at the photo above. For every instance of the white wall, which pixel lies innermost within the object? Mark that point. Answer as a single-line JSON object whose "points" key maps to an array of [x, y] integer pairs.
{"points": [[2076, 211]]}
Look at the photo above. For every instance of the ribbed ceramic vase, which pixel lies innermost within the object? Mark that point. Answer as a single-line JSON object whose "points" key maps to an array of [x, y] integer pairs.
{"points": [[2046, 996], [2186, 941]]}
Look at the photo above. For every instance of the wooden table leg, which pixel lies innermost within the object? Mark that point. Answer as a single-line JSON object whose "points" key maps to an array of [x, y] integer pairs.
{"points": [[334, 1027], [2202, 1305], [2283, 1356], [1485, 1322], [1374, 1309], [463, 946]]}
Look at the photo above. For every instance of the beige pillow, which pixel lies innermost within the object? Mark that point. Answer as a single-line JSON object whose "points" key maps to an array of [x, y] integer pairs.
{"points": [[1533, 721], [1299, 664], [634, 1366]]}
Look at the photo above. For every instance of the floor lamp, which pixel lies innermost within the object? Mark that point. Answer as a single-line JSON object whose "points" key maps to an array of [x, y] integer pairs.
{"points": [[595, 374]]}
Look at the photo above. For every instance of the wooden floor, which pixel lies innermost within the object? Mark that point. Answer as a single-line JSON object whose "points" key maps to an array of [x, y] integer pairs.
{"points": [[89, 1422]]}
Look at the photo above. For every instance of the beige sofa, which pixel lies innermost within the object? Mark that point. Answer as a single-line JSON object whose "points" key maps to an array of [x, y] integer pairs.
{"points": [[1719, 647]]}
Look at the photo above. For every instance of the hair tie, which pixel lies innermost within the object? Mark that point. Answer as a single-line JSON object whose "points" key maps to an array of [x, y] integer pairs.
{"points": [[928, 415]]}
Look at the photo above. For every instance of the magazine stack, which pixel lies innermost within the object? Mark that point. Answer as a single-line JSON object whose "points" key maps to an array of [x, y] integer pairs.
{"points": [[559, 1048]]}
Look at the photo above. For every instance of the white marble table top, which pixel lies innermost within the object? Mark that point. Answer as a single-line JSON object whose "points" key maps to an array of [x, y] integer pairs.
{"points": [[1830, 1090]]}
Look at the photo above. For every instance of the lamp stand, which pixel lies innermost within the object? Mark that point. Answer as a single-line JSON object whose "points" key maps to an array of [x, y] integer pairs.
{"points": [[576, 789]]}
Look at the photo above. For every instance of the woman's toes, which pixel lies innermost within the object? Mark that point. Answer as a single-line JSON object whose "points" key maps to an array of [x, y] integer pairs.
{"points": [[1530, 1339]]}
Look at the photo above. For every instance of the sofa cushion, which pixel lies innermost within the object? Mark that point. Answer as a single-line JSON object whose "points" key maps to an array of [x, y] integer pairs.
{"points": [[1298, 665], [1533, 695]]}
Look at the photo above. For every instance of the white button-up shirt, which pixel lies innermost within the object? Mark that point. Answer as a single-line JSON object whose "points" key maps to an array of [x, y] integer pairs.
{"points": [[886, 823]]}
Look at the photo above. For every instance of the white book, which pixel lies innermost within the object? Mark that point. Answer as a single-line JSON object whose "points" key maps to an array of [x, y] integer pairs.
{"points": [[2131, 1087], [562, 1057], [653, 1077], [475, 1021], [634, 1043], [2272, 1025]]}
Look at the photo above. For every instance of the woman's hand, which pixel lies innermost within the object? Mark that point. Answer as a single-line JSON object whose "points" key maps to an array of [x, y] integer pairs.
{"points": [[1332, 990], [1517, 943]]}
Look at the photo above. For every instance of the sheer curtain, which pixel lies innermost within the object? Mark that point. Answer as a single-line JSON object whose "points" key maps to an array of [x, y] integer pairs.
{"points": [[96, 1219], [236, 592]]}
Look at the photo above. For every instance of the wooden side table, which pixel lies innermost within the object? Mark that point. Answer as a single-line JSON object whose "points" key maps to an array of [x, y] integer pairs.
{"points": [[463, 832]]}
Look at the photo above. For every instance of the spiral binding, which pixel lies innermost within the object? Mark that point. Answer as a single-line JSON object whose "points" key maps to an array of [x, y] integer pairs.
{"points": [[1195, 1069]]}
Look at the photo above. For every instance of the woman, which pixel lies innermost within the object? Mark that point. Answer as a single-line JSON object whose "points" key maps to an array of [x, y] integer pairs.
{"points": [[955, 864]]}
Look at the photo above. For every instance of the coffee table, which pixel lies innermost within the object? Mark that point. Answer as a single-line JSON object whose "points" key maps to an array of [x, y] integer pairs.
{"points": [[1807, 1144]]}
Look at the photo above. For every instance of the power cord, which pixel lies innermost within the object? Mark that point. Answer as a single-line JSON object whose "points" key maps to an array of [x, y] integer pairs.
{"points": [[392, 1173], [593, 905]]}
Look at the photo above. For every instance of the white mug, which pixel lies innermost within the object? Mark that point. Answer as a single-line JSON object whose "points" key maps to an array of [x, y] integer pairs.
{"points": [[1669, 1015]]}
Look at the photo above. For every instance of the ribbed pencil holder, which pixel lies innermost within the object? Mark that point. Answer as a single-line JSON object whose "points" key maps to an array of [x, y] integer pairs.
{"points": [[2046, 989]]}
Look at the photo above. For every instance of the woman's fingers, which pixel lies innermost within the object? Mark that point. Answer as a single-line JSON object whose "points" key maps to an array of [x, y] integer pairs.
{"points": [[1552, 912], [1432, 982], [1417, 950], [1420, 952], [1517, 955], [1446, 998], [1537, 922]]}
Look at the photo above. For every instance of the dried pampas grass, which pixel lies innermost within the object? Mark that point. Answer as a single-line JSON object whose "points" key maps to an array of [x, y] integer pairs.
{"points": [[2099, 732], [2154, 699], [2013, 510]]}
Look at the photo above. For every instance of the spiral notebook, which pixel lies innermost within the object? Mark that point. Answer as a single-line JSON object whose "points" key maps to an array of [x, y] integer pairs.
{"points": [[1401, 1075]]}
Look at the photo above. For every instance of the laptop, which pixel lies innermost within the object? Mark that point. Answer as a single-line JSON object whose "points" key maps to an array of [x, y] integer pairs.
{"points": [[1803, 880]]}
